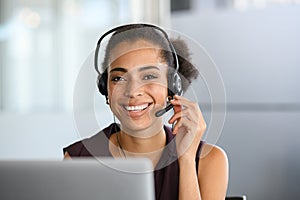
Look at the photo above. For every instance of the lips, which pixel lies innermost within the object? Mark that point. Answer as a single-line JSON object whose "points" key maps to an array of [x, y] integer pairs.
{"points": [[137, 110]]}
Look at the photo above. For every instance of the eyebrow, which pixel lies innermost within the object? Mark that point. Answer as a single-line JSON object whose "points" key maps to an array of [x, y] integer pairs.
{"points": [[148, 67], [121, 69], [118, 69]]}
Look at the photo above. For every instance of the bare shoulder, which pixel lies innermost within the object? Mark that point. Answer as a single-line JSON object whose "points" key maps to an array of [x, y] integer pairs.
{"points": [[212, 154], [213, 172], [67, 156]]}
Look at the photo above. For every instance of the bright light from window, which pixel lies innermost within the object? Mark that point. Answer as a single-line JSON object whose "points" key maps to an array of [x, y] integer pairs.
{"points": [[30, 18], [243, 5]]}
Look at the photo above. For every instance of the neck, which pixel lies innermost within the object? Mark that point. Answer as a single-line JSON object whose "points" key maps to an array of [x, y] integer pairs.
{"points": [[132, 144]]}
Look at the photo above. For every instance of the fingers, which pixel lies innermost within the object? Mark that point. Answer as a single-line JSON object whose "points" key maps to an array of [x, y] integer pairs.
{"points": [[186, 113], [185, 108], [183, 122], [189, 125], [183, 113]]}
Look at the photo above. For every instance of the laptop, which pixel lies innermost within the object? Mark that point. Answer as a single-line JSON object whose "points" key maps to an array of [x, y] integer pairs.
{"points": [[80, 179]]}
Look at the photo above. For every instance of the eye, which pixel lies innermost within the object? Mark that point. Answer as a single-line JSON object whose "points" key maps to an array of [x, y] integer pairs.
{"points": [[117, 79], [149, 77]]}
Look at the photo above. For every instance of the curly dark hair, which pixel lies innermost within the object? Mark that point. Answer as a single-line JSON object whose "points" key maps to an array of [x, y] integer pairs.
{"points": [[135, 32]]}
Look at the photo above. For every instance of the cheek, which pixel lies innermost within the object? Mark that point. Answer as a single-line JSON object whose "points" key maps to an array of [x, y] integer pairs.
{"points": [[110, 88], [113, 96], [158, 91], [114, 90]]}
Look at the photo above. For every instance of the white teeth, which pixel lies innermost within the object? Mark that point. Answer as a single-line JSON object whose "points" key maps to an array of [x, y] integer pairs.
{"points": [[136, 108]]}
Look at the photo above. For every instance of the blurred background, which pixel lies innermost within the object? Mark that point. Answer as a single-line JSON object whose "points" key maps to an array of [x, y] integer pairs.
{"points": [[254, 43]]}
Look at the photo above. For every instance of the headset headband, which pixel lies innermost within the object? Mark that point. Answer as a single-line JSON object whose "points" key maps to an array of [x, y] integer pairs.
{"points": [[133, 26]]}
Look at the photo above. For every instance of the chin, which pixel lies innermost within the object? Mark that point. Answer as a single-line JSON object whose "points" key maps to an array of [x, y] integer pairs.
{"points": [[142, 128]]}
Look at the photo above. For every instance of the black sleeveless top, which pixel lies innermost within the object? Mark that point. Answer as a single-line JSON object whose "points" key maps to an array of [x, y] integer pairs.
{"points": [[166, 173]]}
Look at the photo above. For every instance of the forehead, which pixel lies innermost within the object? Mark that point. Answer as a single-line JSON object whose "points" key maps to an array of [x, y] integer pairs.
{"points": [[138, 53]]}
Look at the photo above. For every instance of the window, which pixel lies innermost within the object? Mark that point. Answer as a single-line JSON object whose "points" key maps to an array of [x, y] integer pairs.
{"points": [[44, 43]]}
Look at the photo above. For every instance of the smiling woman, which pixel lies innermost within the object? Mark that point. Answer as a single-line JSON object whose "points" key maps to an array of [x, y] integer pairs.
{"points": [[137, 89], [143, 73]]}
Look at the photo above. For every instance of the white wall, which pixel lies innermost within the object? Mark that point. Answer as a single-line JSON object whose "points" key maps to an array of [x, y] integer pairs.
{"points": [[257, 52], [35, 136]]}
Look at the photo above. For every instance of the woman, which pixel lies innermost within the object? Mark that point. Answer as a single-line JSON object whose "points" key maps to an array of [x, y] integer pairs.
{"points": [[143, 73]]}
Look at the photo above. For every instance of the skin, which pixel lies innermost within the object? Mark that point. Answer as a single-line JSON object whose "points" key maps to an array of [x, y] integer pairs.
{"points": [[139, 78]]}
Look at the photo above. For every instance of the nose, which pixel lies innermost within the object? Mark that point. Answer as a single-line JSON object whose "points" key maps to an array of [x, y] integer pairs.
{"points": [[133, 89]]}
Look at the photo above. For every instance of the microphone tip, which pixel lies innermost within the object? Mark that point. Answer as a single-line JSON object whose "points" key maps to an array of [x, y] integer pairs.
{"points": [[160, 113], [163, 111]]}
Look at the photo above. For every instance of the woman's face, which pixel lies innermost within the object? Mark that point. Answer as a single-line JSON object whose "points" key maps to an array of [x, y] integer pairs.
{"points": [[137, 84]]}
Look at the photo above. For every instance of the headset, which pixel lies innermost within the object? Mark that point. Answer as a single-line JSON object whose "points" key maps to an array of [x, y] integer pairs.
{"points": [[174, 80]]}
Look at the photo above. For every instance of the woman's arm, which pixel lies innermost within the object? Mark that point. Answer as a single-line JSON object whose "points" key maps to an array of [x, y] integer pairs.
{"points": [[211, 181], [213, 173], [188, 180], [189, 129]]}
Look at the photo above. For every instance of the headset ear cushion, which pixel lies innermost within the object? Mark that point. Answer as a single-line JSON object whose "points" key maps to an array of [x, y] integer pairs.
{"points": [[170, 85], [174, 85], [102, 84], [177, 84]]}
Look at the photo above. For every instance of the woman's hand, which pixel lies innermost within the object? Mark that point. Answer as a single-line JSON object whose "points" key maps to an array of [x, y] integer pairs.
{"points": [[189, 127]]}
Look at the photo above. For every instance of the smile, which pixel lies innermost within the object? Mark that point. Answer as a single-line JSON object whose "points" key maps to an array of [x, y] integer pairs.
{"points": [[137, 108]]}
